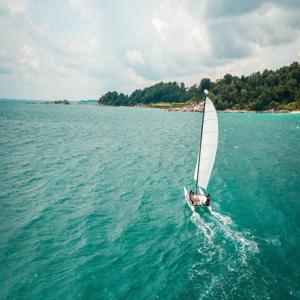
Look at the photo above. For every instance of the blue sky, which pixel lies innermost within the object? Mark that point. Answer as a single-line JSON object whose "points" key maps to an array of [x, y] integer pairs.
{"points": [[80, 49]]}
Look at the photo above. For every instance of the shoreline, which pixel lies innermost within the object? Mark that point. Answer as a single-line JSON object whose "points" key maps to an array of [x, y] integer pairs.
{"points": [[226, 111], [199, 108], [188, 108]]}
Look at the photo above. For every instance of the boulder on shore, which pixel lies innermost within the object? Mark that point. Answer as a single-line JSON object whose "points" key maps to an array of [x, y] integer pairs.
{"points": [[195, 107]]}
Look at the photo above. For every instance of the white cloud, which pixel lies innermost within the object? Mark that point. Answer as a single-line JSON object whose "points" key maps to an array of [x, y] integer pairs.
{"points": [[28, 57], [135, 57], [132, 80], [14, 6], [197, 35], [93, 43], [88, 9], [159, 25], [89, 47], [81, 6]]}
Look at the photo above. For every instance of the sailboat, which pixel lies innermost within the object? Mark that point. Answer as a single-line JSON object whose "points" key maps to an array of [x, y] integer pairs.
{"points": [[209, 133]]}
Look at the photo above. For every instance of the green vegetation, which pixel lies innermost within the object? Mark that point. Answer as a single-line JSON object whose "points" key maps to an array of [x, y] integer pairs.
{"points": [[278, 90], [167, 104]]}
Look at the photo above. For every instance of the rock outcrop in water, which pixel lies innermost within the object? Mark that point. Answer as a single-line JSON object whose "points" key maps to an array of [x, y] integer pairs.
{"points": [[63, 102]]}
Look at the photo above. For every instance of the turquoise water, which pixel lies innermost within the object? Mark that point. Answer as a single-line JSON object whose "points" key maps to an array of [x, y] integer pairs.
{"points": [[92, 205]]}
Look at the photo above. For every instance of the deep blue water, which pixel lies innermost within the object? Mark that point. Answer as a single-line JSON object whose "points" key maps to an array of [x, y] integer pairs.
{"points": [[92, 205]]}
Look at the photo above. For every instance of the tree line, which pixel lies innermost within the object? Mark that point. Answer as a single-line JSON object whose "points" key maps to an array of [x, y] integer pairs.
{"points": [[265, 90]]}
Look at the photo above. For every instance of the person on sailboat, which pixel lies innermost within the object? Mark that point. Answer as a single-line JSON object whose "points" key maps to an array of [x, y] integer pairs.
{"points": [[207, 203], [191, 196], [193, 199]]}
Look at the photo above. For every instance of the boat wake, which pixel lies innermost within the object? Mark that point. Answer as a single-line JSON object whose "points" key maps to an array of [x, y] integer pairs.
{"points": [[216, 226], [225, 219], [207, 230], [226, 253]]}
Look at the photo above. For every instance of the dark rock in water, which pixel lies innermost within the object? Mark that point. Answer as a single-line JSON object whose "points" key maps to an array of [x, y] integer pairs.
{"points": [[65, 102]]}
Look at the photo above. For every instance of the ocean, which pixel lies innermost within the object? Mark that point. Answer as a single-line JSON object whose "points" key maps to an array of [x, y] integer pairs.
{"points": [[92, 205]]}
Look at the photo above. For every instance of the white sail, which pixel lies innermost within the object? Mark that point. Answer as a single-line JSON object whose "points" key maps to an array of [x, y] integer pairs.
{"points": [[209, 144]]}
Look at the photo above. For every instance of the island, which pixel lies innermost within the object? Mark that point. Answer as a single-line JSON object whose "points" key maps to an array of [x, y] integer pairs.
{"points": [[267, 91]]}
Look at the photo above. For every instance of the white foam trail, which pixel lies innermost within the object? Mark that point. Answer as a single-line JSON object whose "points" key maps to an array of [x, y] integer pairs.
{"points": [[226, 220], [223, 245], [243, 241], [203, 226], [223, 227], [272, 240]]}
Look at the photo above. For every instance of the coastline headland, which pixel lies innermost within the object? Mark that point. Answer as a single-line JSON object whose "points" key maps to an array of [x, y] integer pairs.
{"points": [[198, 107], [269, 91]]}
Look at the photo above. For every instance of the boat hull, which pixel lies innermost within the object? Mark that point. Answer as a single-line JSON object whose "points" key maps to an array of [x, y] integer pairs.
{"points": [[193, 207]]}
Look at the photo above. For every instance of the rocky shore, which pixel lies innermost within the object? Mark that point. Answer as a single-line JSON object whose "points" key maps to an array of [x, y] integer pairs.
{"points": [[198, 107], [194, 107]]}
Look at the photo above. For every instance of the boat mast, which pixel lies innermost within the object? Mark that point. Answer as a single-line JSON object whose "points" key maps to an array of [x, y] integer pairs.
{"points": [[206, 93]]}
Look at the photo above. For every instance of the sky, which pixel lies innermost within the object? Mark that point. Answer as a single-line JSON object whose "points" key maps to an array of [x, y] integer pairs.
{"points": [[81, 49]]}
